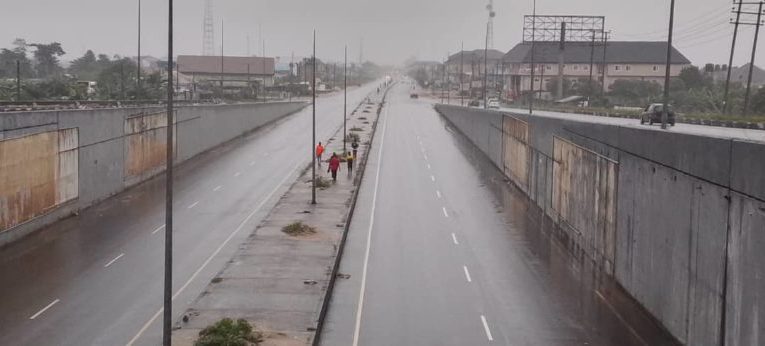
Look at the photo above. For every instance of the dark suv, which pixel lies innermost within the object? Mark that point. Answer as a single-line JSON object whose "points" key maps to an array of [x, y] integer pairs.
{"points": [[652, 114]]}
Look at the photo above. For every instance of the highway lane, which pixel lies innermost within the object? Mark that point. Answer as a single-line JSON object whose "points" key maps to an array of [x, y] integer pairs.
{"points": [[96, 279], [441, 252]]}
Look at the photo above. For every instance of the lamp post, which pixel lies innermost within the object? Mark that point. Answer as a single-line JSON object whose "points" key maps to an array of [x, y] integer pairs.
{"points": [[313, 123], [668, 65], [168, 284]]}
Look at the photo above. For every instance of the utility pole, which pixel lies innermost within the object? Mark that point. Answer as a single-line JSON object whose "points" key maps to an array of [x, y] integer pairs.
{"points": [[18, 80], [167, 317], [122, 79], [313, 123], [605, 65], [462, 67], [138, 59], [669, 61], [592, 55], [221, 58], [486, 68], [448, 83], [726, 109], [751, 62], [263, 42], [345, 94], [561, 62], [533, 50]]}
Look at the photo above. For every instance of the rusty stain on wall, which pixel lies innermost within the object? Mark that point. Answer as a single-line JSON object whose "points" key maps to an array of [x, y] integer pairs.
{"points": [[145, 144], [584, 196], [515, 142], [37, 173]]}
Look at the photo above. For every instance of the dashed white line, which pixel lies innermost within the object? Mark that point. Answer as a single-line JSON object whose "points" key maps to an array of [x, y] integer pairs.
{"points": [[467, 274], [237, 174], [438, 193], [114, 260], [428, 166], [425, 156], [445, 213], [486, 328], [433, 178], [44, 309], [158, 229], [454, 239], [217, 188], [215, 253], [193, 205]]}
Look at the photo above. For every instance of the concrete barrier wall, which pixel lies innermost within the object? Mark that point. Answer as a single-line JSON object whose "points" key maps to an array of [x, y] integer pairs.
{"points": [[93, 154], [677, 220]]}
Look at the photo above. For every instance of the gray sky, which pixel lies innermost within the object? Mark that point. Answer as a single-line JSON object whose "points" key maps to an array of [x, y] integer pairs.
{"points": [[392, 30]]}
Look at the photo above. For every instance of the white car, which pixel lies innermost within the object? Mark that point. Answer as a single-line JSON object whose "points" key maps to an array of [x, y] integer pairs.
{"points": [[493, 104]]}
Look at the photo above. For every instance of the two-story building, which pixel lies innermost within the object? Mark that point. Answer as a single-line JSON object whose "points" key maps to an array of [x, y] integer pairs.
{"points": [[468, 67], [634, 60]]}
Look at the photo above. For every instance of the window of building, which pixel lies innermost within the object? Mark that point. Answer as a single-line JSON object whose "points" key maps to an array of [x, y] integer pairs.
{"points": [[576, 67], [617, 68], [655, 68], [628, 67], [548, 67], [586, 68]]}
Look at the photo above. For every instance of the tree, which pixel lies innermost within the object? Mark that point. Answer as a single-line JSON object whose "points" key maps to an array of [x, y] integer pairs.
{"points": [[85, 67], [552, 86], [693, 78], [635, 92], [115, 80], [758, 101], [8, 58], [46, 58]]}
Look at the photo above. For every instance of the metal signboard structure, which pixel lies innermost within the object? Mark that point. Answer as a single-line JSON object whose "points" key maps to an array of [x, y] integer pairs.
{"points": [[538, 28]]}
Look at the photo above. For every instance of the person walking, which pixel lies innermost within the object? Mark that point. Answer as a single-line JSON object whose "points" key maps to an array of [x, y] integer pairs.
{"points": [[334, 166], [319, 151], [349, 159], [355, 146]]}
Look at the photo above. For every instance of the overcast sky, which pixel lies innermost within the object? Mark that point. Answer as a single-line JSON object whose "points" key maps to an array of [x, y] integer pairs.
{"points": [[392, 30]]}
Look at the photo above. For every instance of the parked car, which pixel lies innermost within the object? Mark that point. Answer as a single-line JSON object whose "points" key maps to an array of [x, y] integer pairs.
{"points": [[652, 114], [413, 96], [493, 104], [474, 103]]}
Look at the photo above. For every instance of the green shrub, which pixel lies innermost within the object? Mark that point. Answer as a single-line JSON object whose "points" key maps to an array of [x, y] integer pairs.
{"points": [[298, 228], [226, 332]]}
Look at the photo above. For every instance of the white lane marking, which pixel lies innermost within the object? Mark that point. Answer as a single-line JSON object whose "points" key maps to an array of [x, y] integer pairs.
{"points": [[425, 155], [252, 163], [215, 253], [114, 260], [44, 309], [467, 274], [433, 178], [454, 239], [438, 193], [360, 305], [217, 188], [428, 166], [237, 174], [193, 205], [486, 328], [445, 213], [158, 229]]}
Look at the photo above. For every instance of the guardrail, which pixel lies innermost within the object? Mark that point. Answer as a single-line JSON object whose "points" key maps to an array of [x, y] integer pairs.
{"points": [[26, 106]]}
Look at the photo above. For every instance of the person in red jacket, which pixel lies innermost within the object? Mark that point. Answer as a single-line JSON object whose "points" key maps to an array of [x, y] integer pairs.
{"points": [[334, 166], [319, 151]]}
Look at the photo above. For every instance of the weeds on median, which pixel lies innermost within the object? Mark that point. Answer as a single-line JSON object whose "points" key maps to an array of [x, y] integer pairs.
{"points": [[298, 228], [228, 332]]}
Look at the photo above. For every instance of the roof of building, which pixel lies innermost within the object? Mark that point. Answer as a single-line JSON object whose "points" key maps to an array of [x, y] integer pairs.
{"points": [[617, 52], [231, 64], [476, 55]]}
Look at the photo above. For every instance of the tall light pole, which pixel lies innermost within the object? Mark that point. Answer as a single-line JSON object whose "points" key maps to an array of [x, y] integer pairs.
{"points": [[486, 68], [313, 123], [168, 292], [138, 59], [751, 62], [726, 108], [533, 40], [462, 67], [669, 62], [345, 95]]}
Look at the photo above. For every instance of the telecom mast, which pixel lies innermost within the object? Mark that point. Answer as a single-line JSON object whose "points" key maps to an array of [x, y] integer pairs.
{"points": [[490, 25], [208, 30]]}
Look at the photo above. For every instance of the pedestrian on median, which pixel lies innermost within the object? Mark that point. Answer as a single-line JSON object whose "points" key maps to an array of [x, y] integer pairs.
{"points": [[334, 166], [319, 151], [349, 160], [355, 146]]}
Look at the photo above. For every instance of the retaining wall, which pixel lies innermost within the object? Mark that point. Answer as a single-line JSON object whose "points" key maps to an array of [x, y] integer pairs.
{"points": [[53, 163], [677, 220]]}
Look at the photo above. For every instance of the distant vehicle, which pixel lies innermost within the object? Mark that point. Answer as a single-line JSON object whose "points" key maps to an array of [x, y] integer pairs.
{"points": [[414, 96], [493, 104], [652, 114], [474, 103]]}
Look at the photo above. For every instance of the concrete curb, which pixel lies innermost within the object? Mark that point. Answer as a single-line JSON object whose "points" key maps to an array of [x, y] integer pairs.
{"points": [[349, 217]]}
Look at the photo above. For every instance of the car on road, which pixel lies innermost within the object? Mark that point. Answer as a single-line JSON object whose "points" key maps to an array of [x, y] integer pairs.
{"points": [[493, 104], [652, 114], [414, 96], [474, 103]]}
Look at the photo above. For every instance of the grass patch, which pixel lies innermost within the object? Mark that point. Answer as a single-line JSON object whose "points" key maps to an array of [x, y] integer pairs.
{"points": [[298, 228], [231, 333], [322, 182], [356, 129]]}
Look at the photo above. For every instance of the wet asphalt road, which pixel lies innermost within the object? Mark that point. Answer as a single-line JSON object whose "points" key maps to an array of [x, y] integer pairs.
{"points": [[443, 251], [96, 279]]}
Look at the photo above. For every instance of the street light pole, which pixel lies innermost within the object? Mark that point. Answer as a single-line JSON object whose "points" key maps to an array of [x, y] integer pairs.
{"points": [[313, 124], [18, 80], [669, 61], [168, 292], [345, 95], [726, 108], [751, 63], [533, 42], [486, 69], [138, 59], [462, 71]]}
